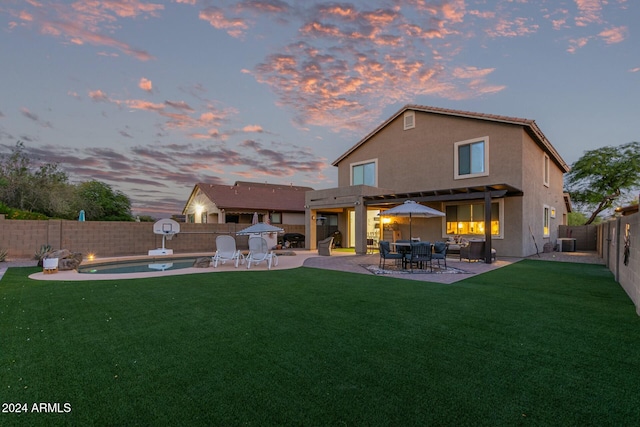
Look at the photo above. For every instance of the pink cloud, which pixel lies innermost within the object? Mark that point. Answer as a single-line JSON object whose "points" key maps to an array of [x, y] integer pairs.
{"points": [[575, 44], [264, 6], [103, 10], [25, 16], [235, 27], [98, 96], [145, 84], [138, 104], [87, 22], [471, 72], [79, 35], [513, 27], [253, 128], [589, 12], [614, 35]]}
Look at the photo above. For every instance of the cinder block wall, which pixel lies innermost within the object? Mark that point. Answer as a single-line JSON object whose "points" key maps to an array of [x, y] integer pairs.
{"points": [[106, 239], [628, 275]]}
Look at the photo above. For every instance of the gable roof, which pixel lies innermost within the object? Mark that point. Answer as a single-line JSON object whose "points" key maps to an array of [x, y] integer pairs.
{"points": [[529, 125], [254, 196]]}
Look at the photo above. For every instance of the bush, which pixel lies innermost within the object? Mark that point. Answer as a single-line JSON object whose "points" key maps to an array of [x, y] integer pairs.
{"points": [[42, 252], [11, 213]]}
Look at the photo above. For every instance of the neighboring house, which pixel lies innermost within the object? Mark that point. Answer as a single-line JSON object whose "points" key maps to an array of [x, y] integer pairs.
{"points": [[237, 203], [495, 177], [627, 210]]}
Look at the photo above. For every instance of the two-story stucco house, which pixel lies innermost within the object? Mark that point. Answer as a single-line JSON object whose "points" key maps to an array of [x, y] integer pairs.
{"points": [[495, 177]]}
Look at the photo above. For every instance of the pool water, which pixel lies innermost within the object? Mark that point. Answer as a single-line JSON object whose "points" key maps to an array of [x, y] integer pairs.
{"points": [[137, 266]]}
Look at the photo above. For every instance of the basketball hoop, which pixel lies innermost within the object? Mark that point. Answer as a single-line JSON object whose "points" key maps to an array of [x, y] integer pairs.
{"points": [[167, 228]]}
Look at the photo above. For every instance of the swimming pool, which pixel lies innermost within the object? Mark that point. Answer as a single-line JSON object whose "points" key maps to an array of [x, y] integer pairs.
{"points": [[137, 266]]}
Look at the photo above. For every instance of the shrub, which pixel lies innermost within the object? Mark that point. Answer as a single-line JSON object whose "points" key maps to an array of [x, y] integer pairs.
{"points": [[42, 252]]}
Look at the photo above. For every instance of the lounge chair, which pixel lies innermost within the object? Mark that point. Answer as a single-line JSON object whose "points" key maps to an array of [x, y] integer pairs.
{"points": [[474, 251], [259, 251], [385, 253], [226, 251], [325, 246]]}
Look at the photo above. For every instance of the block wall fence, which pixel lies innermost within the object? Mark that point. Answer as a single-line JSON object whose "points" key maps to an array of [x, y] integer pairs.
{"points": [[109, 238], [612, 237]]}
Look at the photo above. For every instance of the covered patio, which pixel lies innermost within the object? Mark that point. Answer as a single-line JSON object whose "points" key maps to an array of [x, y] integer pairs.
{"points": [[358, 210]]}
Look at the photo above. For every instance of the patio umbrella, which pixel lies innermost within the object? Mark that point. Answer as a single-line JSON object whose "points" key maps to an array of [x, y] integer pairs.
{"points": [[261, 227], [411, 209], [81, 216], [254, 221]]}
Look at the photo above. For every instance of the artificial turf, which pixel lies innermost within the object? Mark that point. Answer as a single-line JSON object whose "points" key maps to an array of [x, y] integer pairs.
{"points": [[534, 343]]}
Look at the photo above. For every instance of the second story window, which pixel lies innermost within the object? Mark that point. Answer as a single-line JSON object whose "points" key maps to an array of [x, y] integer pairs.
{"points": [[546, 170], [471, 158], [364, 173]]}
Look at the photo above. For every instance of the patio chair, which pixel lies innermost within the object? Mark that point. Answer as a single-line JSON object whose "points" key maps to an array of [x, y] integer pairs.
{"points": [[385, 253], [259, 251], [440, 252], [474, 251], [325, 246], [420, 255], [226, 251]]}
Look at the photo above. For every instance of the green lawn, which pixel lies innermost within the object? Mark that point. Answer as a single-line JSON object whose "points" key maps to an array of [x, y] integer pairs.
{"points": [[534, 343]]}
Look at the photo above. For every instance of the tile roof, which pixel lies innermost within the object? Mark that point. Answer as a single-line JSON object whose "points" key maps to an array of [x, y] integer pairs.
{"points": [[258, 196], [528, 124]]}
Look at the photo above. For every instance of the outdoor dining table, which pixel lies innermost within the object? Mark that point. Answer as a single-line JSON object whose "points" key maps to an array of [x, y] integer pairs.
{"points": [[404, 248]]}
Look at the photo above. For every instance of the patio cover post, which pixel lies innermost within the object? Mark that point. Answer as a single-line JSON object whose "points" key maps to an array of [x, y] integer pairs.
{"points": [[360, 226], [310, 237], [487, 227]]}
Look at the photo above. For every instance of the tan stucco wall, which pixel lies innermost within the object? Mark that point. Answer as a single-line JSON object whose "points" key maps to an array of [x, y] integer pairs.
{"points": [[423, 157], [537, 195]]}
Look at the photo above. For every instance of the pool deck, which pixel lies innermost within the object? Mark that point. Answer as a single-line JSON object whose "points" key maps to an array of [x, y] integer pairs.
{"points": [[339, 261]]}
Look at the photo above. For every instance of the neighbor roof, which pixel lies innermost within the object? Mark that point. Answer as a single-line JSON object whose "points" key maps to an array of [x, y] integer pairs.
{"points": [[530, 126], [253, 195]]}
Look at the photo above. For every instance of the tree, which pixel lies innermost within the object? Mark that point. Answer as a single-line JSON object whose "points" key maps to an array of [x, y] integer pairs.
{"points": [[602, 176], [101, 203], [44, 189]]}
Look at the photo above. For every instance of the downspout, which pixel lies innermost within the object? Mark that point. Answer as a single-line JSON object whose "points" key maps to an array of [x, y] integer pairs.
{"points": [[487, 227]]}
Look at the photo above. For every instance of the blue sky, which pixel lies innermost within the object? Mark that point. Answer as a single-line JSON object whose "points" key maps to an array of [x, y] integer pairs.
{"points": [[152, 97]]}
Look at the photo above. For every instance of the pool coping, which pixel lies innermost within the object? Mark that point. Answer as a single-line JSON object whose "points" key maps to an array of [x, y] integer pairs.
{"points": [[286, 260]]}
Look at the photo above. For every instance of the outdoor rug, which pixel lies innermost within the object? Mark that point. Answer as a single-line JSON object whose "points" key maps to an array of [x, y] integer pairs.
{"points": [[396, 269]]}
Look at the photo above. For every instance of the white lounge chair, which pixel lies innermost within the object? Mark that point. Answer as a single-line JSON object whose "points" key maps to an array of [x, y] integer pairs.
{"points": [[226, 251], [259, 251]]}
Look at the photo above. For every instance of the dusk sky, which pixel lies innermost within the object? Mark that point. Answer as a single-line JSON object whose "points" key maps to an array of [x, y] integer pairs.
{"points": [[152, 97]]}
